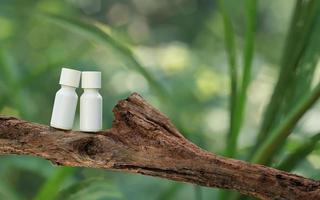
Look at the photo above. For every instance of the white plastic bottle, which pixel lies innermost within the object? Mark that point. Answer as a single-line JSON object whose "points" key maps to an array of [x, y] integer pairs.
{"points": [[66, 99], [91, 102]]}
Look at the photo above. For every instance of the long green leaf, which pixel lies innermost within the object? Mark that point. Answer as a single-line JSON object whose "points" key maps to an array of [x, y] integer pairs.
{"points": [[293, 159], [233, 74], [102, 33], [50, 188], [280, 133], [251, 12]]}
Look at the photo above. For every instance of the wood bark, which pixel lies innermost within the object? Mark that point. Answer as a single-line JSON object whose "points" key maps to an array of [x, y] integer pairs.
{"points": [[142, 140]]}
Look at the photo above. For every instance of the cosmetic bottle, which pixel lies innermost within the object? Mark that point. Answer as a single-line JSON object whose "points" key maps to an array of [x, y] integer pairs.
{"points": [[91, 102], [66, 99]]}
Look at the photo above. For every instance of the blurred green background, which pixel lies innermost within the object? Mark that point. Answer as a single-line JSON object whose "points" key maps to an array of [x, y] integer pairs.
{"points": [[180, 55]]}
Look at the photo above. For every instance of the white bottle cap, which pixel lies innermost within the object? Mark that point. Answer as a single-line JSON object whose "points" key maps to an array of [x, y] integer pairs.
{"points": [[91, 79], [70, 77]]}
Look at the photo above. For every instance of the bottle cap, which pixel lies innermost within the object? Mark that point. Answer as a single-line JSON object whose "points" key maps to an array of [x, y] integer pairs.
{"points": [[91, 79], [70, 77]]}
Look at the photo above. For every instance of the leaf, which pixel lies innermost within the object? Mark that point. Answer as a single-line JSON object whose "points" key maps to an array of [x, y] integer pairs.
{"points": [[251, 12], [300, 153], [233, 74], [91, 189]]}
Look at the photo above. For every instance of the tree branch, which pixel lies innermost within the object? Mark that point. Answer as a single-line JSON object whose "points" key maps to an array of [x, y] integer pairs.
{"points": [[142, 140]]}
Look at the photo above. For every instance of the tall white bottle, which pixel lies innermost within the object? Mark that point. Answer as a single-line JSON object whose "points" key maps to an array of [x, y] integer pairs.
{"points": [[91, 102], [66, 99]]}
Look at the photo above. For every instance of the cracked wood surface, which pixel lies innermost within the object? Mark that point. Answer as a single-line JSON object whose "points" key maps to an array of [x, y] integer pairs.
{"points": [[142, 140]]}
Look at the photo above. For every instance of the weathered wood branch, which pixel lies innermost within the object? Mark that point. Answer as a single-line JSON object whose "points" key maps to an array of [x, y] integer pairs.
{"points": [[142, 140]]}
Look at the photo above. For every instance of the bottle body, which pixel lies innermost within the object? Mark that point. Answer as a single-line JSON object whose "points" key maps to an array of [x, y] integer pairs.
{"points": [[64, 108], [91, 111]]}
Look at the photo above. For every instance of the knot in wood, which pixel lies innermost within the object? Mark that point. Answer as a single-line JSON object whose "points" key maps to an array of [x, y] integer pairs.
{"points": [[89, 146]]}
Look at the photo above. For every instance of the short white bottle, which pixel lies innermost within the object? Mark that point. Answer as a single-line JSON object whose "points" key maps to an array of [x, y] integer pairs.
{"points": [[65, 102], [91, 102]]}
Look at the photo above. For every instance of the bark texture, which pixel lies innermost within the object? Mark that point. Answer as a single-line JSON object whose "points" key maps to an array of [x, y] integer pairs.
{"points": [[143, 140]]}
